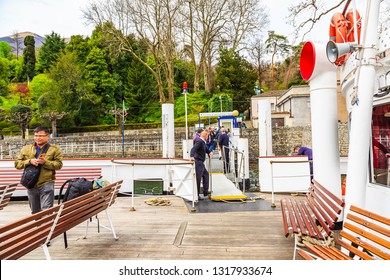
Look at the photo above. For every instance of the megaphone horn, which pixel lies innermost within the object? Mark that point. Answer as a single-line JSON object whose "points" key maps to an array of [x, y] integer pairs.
{"points": [[336, 50]]}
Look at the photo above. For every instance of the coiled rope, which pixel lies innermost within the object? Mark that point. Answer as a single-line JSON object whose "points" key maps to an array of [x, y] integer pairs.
{"points": [[158, 201]]}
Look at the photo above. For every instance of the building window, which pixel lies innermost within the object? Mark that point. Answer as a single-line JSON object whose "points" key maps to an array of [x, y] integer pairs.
{"points": [[276, 122], [380, 144], [272, 106]]}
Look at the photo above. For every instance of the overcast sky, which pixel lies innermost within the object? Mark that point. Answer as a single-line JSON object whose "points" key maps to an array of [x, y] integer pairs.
{"points": [[64, 17], [43, 16]]}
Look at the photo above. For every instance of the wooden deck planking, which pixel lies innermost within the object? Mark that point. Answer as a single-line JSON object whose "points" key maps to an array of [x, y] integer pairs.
{"points": [[169, 232]]}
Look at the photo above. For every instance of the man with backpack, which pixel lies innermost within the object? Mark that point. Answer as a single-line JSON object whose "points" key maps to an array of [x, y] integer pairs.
{"points": [[49, 158]]}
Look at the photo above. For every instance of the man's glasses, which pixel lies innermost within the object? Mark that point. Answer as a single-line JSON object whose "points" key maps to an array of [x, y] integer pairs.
{"points": [[40, 136]]}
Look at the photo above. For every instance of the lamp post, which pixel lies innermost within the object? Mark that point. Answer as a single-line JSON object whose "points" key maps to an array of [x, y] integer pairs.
{"points": [[220, 102], [185, 92], [123, 126]]}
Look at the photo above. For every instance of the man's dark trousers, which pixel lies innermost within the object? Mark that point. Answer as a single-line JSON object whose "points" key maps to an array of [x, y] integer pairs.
{"points": [[226, 164], [201, 174]]}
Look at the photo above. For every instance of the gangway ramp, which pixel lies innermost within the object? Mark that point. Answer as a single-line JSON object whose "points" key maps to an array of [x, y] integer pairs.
{"points": [[224, 189]]}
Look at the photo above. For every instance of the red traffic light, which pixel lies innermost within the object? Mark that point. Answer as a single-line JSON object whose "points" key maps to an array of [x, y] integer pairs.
{"points": [[185, 86]]}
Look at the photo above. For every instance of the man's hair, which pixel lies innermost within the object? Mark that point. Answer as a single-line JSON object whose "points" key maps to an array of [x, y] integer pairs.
{"points": [[42, 128], [297, 147], [199, 130]]}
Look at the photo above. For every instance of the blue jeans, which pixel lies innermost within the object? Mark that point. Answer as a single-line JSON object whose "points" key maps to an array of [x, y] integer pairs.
{"points": [[41, 198]]}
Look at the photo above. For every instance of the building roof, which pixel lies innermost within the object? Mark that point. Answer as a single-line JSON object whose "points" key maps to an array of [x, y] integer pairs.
{"points": [[295, 91], [270, 93]]}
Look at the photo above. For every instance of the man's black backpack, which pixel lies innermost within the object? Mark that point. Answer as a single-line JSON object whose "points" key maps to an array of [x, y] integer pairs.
{"points": [[76, 188]]}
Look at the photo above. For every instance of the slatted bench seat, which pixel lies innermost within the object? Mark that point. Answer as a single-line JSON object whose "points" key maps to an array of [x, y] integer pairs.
{"points": [[5, 194], [12, 176], [365, 236], [25, 235], [320, 207]]}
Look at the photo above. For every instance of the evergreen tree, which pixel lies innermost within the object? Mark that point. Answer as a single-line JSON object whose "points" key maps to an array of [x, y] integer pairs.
{"points": [[29, 59], [141, 95], [276, 45], [79, 47], [4, 76], [68, 77], [50, 51], [101, 84], [236, 76], [5, 50]]}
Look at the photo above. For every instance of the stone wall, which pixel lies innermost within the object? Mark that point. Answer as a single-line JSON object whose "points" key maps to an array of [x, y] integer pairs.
{"points": [[284, 139], [147, 143]]}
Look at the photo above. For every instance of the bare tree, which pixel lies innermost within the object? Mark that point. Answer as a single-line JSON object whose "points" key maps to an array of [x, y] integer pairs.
{"points": [[307, 13], [120, 114], [21, 115], [53, 116], [247, 19], [17, 41], [205, 23], [216, 22], [257, 53], [153, 22]]}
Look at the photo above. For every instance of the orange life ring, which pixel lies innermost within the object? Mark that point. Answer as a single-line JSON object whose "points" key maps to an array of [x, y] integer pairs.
{"points": [[341, 30], [338, 33], [351, 26]]}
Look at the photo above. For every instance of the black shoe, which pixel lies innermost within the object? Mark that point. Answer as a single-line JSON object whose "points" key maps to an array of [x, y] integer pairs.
{"points": [[220, 158], [200, 198]]}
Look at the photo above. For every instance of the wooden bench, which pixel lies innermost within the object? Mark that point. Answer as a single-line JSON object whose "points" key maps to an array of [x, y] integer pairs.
{"points": [[365, 236], [5, 194], [12, 176], [320, 207], [25, 235]]}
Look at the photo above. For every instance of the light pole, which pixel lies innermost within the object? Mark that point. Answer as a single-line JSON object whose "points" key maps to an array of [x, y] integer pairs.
{"points": [[123, 126], [185, 92], [186, 152], [220, 102]]}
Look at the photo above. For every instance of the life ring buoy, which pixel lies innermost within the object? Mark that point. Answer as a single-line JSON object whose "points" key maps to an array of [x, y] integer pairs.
{"points": [[338, 28], [351, 26], [338, 33], [341, 30]]}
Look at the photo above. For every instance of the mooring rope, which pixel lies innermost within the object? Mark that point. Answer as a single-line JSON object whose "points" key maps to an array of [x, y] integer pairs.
{"points": [[251, 200], [158, 201]]}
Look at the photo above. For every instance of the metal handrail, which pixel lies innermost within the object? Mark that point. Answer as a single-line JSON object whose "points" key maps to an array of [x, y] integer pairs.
{"points": [[240, 165]]}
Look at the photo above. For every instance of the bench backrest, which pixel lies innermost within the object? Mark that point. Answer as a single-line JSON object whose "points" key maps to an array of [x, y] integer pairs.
{"points": [[82, 208], [5, 194], [12, 176], [23, 236], [320, 207], [366, 234], [325, 205]]}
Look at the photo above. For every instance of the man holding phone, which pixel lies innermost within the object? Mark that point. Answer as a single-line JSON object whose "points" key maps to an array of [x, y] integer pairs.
{"points": [[42, 195]]}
